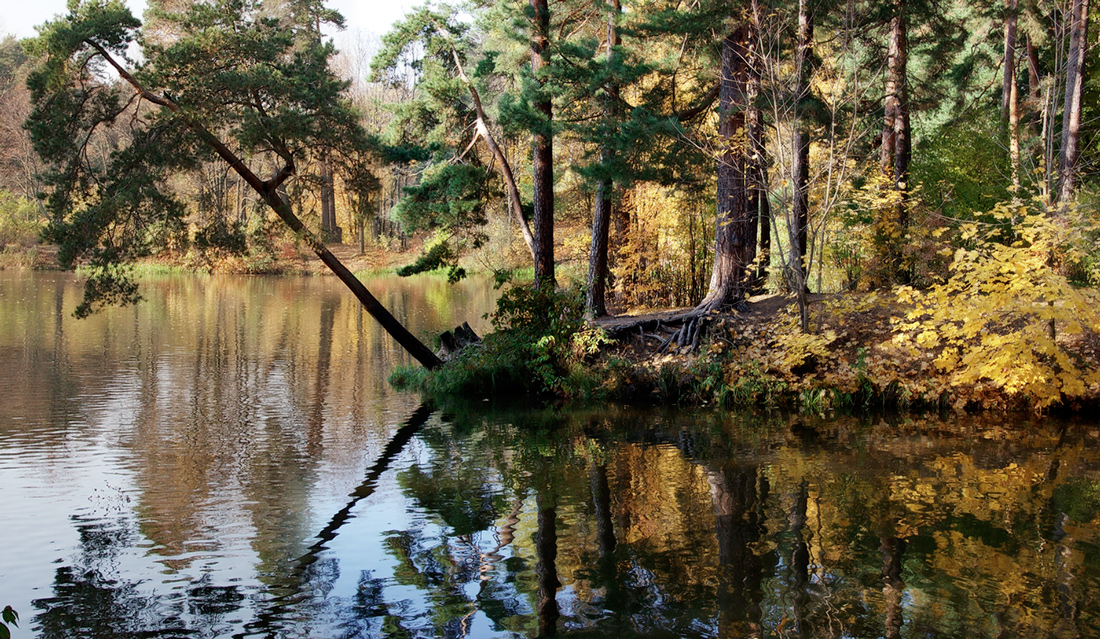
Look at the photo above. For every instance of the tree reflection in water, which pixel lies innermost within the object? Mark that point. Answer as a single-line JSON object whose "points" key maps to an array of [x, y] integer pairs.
{"points": [[641, 525], [93, 599], [738, 495]]}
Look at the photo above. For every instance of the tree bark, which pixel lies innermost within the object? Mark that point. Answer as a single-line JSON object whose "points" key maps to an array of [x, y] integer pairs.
{"points": [[595, 302], [498, 155], [764, 212], [1034, 85], [732, 253], [543, 149], [1071, 111], [1009, 95], [330, 232], [760, 209], [269, 191], [1035, 102], [1014, 136], [755, 154], [895, 147], [1009, 80], [800, 215]]}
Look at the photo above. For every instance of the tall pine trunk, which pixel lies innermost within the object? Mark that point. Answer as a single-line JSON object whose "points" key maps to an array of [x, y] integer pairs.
{"points": [[330, 232], [760, 210], [543, 149], [1009, 94], [733, 252], [1009, 78], [595, 303], [800, 217], [895, 149], [1071, 112]]}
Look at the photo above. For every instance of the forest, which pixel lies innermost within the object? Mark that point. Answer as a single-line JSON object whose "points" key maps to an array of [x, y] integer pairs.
{"points": [[918, 177]]}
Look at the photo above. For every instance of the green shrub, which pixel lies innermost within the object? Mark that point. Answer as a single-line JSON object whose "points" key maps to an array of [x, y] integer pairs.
{"points": [[20, 222], [538, 348], [221, 235], [8, 617]]}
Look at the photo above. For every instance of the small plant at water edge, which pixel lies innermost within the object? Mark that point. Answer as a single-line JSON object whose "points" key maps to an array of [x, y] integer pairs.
{"points": [[538, 347], [8, 617]]}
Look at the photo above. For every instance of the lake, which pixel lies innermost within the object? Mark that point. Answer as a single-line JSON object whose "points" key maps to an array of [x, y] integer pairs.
{"points": [[226, 459]]}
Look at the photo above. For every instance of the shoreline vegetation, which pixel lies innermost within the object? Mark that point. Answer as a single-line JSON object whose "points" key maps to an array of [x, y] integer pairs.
{"points": [[882, 211], [860, 221], [883, 351], [896, 350]]}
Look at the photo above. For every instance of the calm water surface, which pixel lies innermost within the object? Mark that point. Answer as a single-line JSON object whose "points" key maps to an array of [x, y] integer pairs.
{"points": [[226, 459]]}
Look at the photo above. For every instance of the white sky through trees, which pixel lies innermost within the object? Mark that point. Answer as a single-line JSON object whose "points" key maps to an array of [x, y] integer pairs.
{"points": [[20, 17]]}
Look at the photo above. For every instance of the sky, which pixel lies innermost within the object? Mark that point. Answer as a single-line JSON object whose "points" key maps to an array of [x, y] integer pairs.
{"points": [[20, 17]]}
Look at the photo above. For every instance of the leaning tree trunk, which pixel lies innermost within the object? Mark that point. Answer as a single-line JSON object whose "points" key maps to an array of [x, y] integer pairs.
{"points": [[732, 252], [595, 302], [1070, 154], [268, 190], [505, 167], [543, 149]]}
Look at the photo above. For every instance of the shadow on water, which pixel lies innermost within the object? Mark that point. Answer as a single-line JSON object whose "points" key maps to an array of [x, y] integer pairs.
{"points": [[631, 523]]}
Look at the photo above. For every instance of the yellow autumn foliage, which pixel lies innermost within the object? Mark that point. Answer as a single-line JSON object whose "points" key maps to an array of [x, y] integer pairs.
{"points": [[1005, 316]]}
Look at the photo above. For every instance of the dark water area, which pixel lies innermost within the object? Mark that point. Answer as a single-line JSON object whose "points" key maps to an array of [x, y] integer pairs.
{"points": [[226, 460]]}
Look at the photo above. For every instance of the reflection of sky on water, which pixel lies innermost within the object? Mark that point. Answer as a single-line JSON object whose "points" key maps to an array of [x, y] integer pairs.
{"points": [[154, 430], [167, 469]]}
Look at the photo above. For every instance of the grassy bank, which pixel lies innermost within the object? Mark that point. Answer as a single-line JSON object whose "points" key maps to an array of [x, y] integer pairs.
{"points": [[865, 352]]}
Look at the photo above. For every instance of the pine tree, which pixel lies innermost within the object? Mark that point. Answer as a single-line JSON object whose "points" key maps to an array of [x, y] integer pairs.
{"points": [[734, 247], [231, 70], [1069, 157]]}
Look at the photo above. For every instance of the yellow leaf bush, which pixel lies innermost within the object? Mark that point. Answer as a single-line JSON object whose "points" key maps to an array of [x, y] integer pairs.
{"points": [[1005, 316]]}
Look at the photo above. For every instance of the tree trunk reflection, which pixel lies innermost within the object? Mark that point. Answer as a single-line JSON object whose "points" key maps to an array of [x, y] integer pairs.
{"points": [[546, 549], [893, 551], [738, 495], [800, 560]]}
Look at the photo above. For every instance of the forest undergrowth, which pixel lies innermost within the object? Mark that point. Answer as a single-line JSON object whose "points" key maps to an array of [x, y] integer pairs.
{"points": [[862, 357], [866, 354], [1001, 328]]}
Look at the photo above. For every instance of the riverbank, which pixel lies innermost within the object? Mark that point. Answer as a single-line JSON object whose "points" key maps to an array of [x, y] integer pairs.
{"points": [[865, 352], [897, 350], [285, 260]]}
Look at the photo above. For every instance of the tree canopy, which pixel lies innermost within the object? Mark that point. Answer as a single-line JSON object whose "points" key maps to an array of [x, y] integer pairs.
{"points": [[687, 155], [238, 80]]}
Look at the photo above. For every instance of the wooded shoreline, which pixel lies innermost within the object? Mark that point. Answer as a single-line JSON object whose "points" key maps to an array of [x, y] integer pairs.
{"points": [[857, 364], [858, 358]]}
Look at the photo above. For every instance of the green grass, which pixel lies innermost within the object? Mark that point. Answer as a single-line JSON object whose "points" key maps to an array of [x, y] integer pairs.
{"points": [[148, 268]]}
